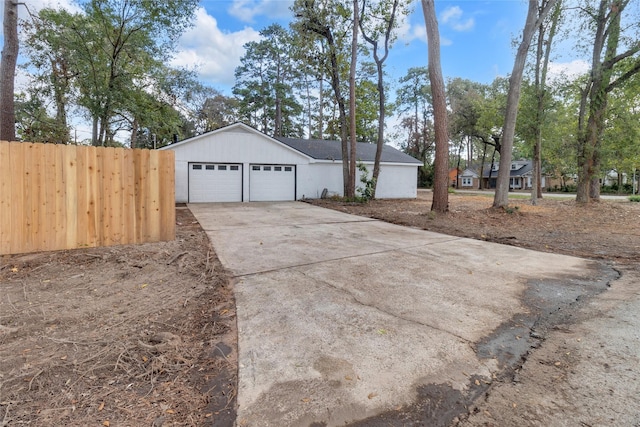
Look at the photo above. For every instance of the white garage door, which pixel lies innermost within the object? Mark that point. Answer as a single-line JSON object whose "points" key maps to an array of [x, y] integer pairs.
{"points": [[272, 183], [210, 182]]}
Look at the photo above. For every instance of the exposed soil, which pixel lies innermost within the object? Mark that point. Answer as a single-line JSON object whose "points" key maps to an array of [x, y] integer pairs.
{"points": [[146, 335], [128, 335], [608, 230]]}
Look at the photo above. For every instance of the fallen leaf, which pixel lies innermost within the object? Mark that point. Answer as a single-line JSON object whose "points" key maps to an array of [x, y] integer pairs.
{"points": [[208, 415], [514, 405], [382, 331], [63, 358], [372, 395], [14, 270], [477, 382], [170, 411], [348, 378], [101, 407], [144, 285], [306, 400], [557, 363], [106, 423]]}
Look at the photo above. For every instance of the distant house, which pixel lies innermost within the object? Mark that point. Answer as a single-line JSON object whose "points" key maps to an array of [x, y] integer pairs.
{"points": [[612, 177], [520, 175], [469, 179]]}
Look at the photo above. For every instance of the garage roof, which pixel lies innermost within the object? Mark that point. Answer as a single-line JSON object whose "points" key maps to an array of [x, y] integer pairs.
{"points": [[332, 150]]}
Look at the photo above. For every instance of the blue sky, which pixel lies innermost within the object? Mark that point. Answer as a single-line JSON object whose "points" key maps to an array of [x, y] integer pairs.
{"points": [[476, 37]]}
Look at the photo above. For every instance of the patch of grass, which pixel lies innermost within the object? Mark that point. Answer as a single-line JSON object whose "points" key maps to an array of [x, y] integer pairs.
{"points": [[511, 210], [635, 199]]}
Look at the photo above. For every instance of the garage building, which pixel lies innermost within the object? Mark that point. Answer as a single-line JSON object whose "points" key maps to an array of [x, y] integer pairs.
{"points": [[239, 164]]}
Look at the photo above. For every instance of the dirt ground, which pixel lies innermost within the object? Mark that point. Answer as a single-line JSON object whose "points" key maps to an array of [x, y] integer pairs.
{"points": [[118, 336], [608, 230], [146, 335]]}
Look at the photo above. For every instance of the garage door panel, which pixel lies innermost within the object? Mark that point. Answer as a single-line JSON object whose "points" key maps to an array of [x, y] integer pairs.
{"points": [[270, 183], [215, 182]]}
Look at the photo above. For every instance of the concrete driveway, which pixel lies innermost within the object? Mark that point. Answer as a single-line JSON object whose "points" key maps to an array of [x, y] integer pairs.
{"points": [[341, 318]]}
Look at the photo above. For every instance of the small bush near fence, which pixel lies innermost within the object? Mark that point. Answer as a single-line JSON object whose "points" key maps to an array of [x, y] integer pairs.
{"points": [[65, 196]]}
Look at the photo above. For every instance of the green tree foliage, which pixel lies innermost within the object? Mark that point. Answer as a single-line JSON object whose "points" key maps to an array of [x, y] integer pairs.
{"points": [[266, 83], [324, 26], [109, 60], [613, 30], [413, 103]]}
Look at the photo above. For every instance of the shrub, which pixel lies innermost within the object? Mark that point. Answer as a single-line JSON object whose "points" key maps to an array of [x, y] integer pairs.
{"points": [[365, 193], [634, 199]]}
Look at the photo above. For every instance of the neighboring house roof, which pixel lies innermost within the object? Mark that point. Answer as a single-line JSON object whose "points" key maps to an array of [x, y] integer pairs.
{"points": [[332, 150], [523, 167], [469, 173]]}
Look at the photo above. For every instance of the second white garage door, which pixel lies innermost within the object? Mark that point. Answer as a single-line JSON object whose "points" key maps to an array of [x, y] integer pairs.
{"points": [[271, 183]]}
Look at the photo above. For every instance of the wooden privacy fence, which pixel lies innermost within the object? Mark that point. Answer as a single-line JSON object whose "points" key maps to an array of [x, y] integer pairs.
{"points": [[66, 196]]}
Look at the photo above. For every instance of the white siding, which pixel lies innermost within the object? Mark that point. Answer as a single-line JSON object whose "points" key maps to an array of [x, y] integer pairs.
{"points": [[396, 181], [315, 177]]}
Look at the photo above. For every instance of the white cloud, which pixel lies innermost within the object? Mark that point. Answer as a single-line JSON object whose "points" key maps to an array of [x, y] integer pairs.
{"points": [[247, 10], [213, 52], [452, 17], [453, 13], [36, 5], [408, 33], [567, 70]]}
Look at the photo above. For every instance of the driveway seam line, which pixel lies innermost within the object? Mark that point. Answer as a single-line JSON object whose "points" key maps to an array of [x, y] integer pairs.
{"points": [[255, 273]]}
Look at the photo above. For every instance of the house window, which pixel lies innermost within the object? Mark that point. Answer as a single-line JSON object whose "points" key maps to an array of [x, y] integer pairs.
{"points": [[197, 167], [267, 168], [233, 168], [287, 168], [277, 168], [210, 167], [222, 167], [514, 166], [255, 168], [467, 181]]}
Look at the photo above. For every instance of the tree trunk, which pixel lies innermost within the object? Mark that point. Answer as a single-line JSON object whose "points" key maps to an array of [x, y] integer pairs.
{"points": [[134, 134], [278, 125], [595, 96], [534, 19], [484, 155], [543, 53], [8, 72], [441, 163], [351, 190], [381, 91]]}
